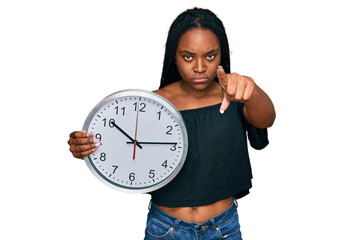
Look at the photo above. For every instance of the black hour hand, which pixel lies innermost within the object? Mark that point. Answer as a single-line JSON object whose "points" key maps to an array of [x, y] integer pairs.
{"points": [[128, 136]]}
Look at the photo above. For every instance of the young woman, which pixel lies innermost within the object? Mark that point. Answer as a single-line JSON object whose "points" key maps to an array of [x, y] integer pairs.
{"points": [[218, 108]]}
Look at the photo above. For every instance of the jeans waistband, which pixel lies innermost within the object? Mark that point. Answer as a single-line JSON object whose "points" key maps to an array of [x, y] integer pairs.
{"points": [[177, 223]]}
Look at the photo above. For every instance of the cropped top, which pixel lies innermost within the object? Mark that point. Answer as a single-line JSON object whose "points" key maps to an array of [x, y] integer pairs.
{"points": [[217, 165]]}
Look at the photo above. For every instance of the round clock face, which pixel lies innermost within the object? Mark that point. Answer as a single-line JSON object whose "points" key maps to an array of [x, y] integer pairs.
{"points": [[143, 141]]}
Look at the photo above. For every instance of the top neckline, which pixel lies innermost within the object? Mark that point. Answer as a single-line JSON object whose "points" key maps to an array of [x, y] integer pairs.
{"points": [[200, 108]]}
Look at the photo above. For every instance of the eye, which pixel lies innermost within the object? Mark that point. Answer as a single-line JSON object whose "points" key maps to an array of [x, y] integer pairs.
{"points": [[210, 56], [188, 57]]}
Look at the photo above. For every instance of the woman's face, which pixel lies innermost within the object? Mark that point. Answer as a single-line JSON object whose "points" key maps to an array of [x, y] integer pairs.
{"points": [[198, 55]]}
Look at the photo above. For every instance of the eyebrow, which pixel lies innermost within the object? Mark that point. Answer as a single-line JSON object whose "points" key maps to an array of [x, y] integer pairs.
{"points": [[191, 53]]}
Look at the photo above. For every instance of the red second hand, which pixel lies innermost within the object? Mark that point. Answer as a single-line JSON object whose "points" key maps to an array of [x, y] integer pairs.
{"points": [[135, 137]]}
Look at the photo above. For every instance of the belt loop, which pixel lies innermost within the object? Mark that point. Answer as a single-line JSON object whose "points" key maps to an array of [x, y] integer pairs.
{"points": [[235, 203], [150, 205], [212, 220], [177, 221]]}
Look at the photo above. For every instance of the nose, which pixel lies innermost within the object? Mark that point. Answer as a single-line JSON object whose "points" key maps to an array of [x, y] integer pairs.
{"points": [[199, 66]]}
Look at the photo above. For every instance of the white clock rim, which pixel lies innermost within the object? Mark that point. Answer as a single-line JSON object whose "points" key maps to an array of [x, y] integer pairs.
{"points": [[164, 102]]}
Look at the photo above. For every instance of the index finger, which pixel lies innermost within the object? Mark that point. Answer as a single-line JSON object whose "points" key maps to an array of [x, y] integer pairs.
{"points": [[221, 75]]}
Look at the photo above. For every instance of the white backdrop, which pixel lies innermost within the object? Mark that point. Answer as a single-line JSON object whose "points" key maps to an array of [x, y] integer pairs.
{"points": [[59, 58]]}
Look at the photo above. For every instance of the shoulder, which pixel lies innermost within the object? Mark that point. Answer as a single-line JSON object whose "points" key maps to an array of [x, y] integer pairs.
{"points": [[170, 92]]}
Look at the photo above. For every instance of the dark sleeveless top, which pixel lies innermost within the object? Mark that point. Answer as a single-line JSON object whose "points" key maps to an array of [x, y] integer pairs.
{"points": [[217, 165]]}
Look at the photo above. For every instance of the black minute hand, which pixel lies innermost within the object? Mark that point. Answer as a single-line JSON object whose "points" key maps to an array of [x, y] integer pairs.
{"points": [[128, 136], [170, 143]]}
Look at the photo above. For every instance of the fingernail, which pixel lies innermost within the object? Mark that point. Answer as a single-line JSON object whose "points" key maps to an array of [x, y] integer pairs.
{"points": [[221, 111], [219, 66], [95, 140], [97, 144]]}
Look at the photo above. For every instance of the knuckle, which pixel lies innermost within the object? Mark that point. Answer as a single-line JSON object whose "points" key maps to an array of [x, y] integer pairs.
{"points": [[81, 148], [71, 149], [78, 141]]}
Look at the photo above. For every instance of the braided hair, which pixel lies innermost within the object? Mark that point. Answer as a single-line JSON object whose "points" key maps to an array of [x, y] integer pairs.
{"points": [[192, 19]]}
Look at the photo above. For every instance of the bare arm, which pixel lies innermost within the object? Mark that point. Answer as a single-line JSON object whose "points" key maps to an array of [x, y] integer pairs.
{"points": [[259, 109]]}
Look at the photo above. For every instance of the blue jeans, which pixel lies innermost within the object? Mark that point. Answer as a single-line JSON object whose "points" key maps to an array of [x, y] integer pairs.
{"points": [[161, 225]]}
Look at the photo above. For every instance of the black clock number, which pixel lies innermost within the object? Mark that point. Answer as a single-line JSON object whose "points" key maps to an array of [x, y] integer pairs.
{"points": [[123, 110], [159, 115], [98, 136], [115, 168], [173, 148], [110, 123], [169, 130], [142, 107], [132, 177], [103, 157], [164, 164], [152, 174]]}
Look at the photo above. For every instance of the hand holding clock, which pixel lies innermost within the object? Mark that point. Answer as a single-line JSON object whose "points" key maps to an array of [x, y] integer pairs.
{"points": [[82, 144]]}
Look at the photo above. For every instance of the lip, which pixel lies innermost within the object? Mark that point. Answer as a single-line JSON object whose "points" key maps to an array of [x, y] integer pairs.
{"points": [[200, 80]]}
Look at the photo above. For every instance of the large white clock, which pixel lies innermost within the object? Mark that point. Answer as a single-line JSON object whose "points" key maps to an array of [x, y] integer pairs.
{"points": [[143, 141]]}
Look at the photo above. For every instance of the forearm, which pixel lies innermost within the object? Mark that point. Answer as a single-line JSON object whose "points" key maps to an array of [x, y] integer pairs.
{"points": [[259, 109]]}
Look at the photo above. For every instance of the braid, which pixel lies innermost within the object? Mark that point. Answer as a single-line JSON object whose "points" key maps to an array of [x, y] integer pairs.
{"points": [[192, 19]]}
